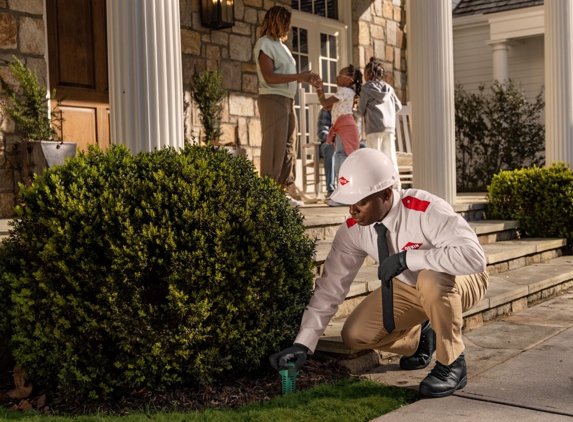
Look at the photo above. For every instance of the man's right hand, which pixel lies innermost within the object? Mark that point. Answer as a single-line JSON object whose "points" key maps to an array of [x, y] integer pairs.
{"points": [[296, 352]]}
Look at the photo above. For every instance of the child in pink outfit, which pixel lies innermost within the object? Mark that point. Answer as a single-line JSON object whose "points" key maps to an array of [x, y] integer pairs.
{"points": [[349, 82]]}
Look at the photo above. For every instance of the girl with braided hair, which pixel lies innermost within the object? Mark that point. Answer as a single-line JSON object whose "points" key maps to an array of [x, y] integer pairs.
{"points": [[349, 83], [378, 105]]}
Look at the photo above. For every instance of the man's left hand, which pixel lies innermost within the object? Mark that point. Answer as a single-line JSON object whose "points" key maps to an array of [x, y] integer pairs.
{"points": [[391, 267]]}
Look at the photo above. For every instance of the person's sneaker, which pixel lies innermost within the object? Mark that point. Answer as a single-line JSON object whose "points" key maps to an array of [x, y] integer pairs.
{"points": [[444, 380], [332, 203], [328, 193], [294, 202], [423, 355]]}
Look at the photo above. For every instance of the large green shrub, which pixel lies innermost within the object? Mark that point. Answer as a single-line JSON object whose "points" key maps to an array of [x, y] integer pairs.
{"points": [[496, 131], [153, 270], [541, 199]]}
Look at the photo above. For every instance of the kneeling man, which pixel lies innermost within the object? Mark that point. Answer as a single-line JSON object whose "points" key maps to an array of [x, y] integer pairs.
{"points": [[431, 266]]}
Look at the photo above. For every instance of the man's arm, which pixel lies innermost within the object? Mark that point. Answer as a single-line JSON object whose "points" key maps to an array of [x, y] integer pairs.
{"points": [[340, 268]]}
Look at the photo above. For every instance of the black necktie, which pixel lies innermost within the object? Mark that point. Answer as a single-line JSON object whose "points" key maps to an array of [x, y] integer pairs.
{"points": [[387, 292]]}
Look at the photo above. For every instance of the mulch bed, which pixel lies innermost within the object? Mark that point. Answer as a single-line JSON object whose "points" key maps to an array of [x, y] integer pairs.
{"points": [[317, 370]]}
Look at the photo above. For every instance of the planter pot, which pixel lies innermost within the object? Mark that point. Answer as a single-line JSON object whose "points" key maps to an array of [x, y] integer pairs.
{"points": [[232, 149], [46, 154]]}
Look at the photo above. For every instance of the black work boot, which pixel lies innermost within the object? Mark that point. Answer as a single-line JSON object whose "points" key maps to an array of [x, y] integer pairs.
{"points": [[443, 380], [423, 355]]}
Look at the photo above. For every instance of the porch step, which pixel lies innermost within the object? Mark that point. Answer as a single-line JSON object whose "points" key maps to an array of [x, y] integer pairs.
{"points": [[501, 257], [508, 293]]}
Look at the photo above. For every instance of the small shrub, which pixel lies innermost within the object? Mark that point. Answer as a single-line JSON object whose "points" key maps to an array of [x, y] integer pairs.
{"points": [[30, 111], [152, 271], [499, 131], [541, 199], [207, 91]]}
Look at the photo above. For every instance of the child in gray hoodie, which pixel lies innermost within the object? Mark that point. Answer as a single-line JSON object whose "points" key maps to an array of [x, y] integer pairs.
{"points": [[378, 105]]}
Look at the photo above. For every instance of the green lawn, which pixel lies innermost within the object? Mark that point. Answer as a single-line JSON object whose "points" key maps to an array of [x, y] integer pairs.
{"points": [[346, 401]]}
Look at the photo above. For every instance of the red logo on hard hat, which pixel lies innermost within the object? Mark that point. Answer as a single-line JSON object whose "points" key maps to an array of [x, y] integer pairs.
{"points": [[411, 246], [343, 181]]}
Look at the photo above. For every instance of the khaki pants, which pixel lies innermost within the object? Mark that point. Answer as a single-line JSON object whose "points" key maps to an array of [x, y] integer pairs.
{"points": [[439, 297], [279, 131]]}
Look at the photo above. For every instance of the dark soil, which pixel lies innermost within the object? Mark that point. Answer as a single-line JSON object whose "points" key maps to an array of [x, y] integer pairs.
{"points": [[317, 370]]}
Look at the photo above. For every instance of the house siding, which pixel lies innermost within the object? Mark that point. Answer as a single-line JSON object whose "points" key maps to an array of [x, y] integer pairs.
{"points": [[473, 60]]}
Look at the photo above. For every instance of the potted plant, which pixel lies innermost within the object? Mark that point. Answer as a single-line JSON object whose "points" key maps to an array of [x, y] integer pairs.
{"points": [[41, 145], [207, 92]]}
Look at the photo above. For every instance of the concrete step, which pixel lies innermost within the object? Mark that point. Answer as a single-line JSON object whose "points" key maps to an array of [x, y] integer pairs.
{"points": [[501, 258], [508, 293]]}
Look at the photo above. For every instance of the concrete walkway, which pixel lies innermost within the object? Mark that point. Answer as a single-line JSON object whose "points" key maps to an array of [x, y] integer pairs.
{"points": [[520, 369]]}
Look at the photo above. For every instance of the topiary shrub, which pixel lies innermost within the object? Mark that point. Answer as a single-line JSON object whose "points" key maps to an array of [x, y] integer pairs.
{"points": [[540, 198], [152, 270]]}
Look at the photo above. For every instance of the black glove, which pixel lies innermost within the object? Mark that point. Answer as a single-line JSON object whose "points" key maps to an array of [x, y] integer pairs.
{"points": [[391, 267], [297, 352]]}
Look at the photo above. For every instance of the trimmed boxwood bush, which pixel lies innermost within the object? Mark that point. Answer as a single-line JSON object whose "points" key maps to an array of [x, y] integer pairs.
{"points": [[154, 270], [540, 198]]}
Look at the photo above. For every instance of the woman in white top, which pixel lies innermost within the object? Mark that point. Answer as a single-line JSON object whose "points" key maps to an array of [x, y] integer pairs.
{"points": [[278, 79]]}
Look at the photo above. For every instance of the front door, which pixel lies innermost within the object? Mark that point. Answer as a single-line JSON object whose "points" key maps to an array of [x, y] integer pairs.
{"points": [[77, 56]]}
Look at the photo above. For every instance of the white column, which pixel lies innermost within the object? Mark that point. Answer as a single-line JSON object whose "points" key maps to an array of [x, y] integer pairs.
{"points": [[431, 87], [500, 61], [558, 81], [145, 73]]}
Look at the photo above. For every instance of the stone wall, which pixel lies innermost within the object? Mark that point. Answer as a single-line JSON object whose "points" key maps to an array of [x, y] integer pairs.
{"points": [[22, 34]]}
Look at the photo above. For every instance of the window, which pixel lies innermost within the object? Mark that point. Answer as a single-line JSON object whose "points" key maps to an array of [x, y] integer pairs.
{"points": [[326, 8]]}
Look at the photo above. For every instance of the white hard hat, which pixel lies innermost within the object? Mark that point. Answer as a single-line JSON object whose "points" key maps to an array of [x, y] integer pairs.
{"points": [[364, 172]]}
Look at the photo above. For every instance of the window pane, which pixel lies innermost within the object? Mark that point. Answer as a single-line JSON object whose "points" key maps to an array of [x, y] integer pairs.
{"points": [[295, 4], [304, 63], [303, 46], [319, 8], [332, 44], [324, 70], [333, 72], [332, 9], [295, 46], [323, 46], [306, 6]]}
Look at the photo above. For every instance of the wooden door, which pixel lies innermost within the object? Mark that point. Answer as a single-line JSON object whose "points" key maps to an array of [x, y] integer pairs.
{"points": [[77, 56]]}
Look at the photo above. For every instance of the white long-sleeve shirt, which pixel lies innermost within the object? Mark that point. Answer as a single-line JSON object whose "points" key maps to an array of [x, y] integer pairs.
{"points": [[435, 236]]}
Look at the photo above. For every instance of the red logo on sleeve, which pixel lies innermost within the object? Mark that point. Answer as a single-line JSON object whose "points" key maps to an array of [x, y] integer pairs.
{"points": [[415, 204], [343, 181], [411, 246]]}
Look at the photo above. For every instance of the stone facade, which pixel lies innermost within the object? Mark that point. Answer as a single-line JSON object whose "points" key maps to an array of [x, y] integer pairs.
{"points": [[22, 34], [378, 30]]}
